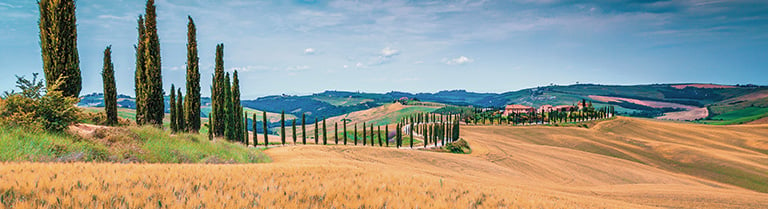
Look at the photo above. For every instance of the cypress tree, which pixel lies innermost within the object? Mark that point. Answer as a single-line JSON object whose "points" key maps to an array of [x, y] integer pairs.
{"points": [[364, 133], [282, 127], [110, 91], [294, 131], [336, 132], [255, 132], [172, 101], [344, 121], [410, 132], [155, 103], [218, 94], [398, 136], [58, 43], [236, 107], [386, 135], [317, 130], [372, 144], [379, 135], [192, 101], [228, 108], [325, 134], [180, 126], [303, 128], [355, 134], [140, 81], [264, 122]]}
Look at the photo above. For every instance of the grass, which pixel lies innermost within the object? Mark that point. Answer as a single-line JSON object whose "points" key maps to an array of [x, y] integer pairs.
{"points": [[132, 144], [394, 117], [739, 116]]}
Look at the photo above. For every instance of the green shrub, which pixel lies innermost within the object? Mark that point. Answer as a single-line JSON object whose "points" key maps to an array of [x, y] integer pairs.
{"points": [[51, 112]]}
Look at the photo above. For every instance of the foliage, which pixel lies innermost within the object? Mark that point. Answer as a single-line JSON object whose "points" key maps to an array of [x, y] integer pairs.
{"points": [[58, 43], [192, 101], [110, 90], [218, 94], [51, 112], [155, 104], [460, 146]]}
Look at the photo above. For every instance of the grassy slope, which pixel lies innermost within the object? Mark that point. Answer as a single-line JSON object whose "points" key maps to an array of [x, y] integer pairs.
{"points": [[143, 144], [509, 167], [739, 116], [273, 117]]}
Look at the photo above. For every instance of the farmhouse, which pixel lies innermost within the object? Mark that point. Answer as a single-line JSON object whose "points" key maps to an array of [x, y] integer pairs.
{"points": [[515, 108]]}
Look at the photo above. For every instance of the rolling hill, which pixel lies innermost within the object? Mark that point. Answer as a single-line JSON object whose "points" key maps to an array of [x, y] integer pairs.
{"points": [[620, 163]]}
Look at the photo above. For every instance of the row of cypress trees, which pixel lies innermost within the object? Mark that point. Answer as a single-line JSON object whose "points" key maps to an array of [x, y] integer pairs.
{"points": [[227, 119]]}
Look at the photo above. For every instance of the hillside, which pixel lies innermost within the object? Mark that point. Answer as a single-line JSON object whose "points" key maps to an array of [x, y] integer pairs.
{"points": [[620, 163], [665, 101]]}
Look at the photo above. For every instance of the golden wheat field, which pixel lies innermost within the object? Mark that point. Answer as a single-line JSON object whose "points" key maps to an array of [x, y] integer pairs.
{"points": [[621, 163]]}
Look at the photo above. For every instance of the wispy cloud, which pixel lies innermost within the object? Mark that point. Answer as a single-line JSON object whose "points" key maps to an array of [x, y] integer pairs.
{"points": [[8, 5], [309, 51], [458, 60]]}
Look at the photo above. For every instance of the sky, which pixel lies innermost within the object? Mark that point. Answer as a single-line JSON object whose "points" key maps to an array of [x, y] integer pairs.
{"points": [[302, 47]]}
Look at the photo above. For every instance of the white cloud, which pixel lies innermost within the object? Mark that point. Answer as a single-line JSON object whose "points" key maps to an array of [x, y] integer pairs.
{"points": [[389, 52], [176, 68], [9, 5], [297, 68], [359, 65], [458, 60], [309, 51]]}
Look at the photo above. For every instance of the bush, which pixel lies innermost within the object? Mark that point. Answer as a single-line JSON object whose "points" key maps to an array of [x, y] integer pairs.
{"points": [[459, 147], [51, 112]]}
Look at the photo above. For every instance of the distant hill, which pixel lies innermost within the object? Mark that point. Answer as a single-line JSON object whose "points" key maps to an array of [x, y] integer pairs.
{"points": [[669, 101]]}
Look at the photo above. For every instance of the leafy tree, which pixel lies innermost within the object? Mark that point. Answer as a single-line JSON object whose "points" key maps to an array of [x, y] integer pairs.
{"points": [[386, 135], [141, 80], [325, 134], [172, 102], [155, 103], [255, 133], [410, 133], [336, 132], [180, 125], [236, 108], [303, 128], [317, 130], [264, 122], [379, 135], [110, 91], [294, 131], [282, 127], [345, 131], [372, 144], [355, 134], [58, 43], [192, 102], [364, 134], [218, 93], [228, 109]]}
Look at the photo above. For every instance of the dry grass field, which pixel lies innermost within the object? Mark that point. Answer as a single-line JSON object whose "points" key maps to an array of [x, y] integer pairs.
{"points": [[621, 163]]}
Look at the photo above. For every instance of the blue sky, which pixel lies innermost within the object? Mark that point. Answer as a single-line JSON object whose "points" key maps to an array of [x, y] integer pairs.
{"points": [[302, 47]]}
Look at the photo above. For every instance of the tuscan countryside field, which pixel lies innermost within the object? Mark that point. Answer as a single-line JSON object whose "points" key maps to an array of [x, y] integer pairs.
{"points": [[383, 104]]}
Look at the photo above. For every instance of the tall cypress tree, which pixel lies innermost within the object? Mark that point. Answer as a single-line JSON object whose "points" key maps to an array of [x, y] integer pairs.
{"points": [[325, 134], [264, 122], [303, 128], [282, 127], [386, 135], [364, 133], [255, 132], [379, 135], [192, 101], [238, 109], [294, 131], [180, 123], [218, 94], [228, 108], [317, 136], [372, 142], [355, 134], [172, 102], [155, 103], [344, 122], [336, 132], [58, 43], [140, 81], [410, 133], [110, 91]]}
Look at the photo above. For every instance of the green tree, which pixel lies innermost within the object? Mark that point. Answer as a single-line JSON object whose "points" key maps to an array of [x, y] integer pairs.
{"points": [[386, 135], [336, 132], [364, 139], [155, 102], [344, 122], [237, 108], [303, 129], [255, 131], [379, 136], [294, 131], [58, 43], [218, 94], [355, 134], [372, 142], [317, 136], [410, 133], [180, 125], [140, 81], [228, 108], [325, 134], [282, 127], [264, 122], [192, 101], [172, 102], [110, 91]]}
